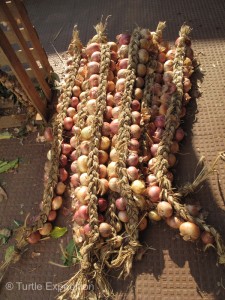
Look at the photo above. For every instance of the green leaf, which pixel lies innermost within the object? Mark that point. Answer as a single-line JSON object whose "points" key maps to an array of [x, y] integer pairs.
{"points": [[57, 232], [8, 253], [71, 254], [8, 165], [5, 135]]}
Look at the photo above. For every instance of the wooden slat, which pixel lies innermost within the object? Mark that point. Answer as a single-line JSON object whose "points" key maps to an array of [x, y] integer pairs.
{"points": [[31, 32], [20, 54], [22, 76], [46, 89], [12, 121]]}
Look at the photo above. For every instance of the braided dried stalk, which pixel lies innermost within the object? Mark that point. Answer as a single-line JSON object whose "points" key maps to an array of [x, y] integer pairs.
{"points": [[172, 117], [122, 149], [14, 86], [161, 166], [25, 231], [91, 271]]}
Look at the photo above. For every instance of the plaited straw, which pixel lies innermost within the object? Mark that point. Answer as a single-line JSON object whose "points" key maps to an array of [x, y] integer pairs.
{"points": [[121, 146], [57, 124], [91, 269], [161, 165], [12, 84]]}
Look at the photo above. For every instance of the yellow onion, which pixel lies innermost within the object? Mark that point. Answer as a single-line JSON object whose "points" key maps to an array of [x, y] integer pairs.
{"points": [[138, 187]]}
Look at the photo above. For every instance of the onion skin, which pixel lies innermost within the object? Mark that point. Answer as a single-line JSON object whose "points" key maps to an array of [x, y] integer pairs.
{"points": [[63, 174], [154, 216], [57, 202], [34, 237], [174, 222], [164, 209], [154, 193], [207, 238], [102, 204], [121, 203], [105, 230], [143, 224], [60, 188], [48, 135], [52, 215], [189, 231], [123, 216], [46, 229]]}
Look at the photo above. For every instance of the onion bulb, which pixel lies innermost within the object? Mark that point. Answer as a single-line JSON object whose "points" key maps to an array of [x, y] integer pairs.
{"points": [[174, 222], [82, 163], [207, 237], [123, 216], [57, 202], [34, 237], [164, 209], [105, 230], [189, 231], [138, 187], [154, 216], [46, 229]]}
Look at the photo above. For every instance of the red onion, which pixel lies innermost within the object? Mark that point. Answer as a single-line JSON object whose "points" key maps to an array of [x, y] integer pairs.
{"points": [[108, 114], [118, 97], [154, 149], [133, 145], [102, 204], [93, 93], [154, 193], [132, 173], [74, 167], [152, 180], [207, 238], [135, 105], [96, 56], [63, 174], [174, 222], [121, 203], [143, 224], [91, 48], [135, 131], [94, 80], [132, 159], [123, 38], [68, 123], [63, 160], [73, 155], [106, 131], [160, 121], [123, 63], [179, 134], [48, 135], [75, 180], [139, 82], [136, 117], [141, 70], [161, 57], [114, 126]]}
